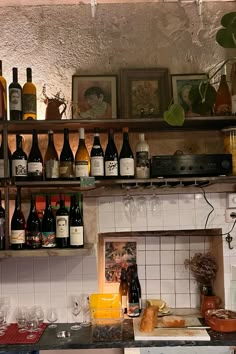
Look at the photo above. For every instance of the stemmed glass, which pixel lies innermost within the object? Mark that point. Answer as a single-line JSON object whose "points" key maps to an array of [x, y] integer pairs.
{"points": [[21, 319], [2, 326], [76, 309], [52, 317], [38, 311], [85, 310], [32, 323]]}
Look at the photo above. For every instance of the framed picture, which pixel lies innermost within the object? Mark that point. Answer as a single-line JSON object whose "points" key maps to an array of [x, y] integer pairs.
{"points": [[181, 86], [94, 97], [145, 93]]}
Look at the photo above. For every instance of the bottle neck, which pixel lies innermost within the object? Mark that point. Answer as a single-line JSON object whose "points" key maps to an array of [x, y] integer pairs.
{"points": [[29, 74], [96, 140], [125, 137], [50, 139], [32, 204], [111, 135], [66, 137], [17, 202], [18, 142], [35, 138], [15, 75], [0, 68]]}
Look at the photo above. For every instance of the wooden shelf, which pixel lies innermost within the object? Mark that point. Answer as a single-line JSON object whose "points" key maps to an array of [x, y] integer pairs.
{"points": [[50, 252]]}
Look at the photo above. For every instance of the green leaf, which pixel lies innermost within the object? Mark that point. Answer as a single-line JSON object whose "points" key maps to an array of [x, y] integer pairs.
{"points": [[202, 102], [225, 39], [175, 115], [229, 19]]}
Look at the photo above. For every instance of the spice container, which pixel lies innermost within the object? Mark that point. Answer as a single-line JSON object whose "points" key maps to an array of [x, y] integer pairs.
{"points": [[230, 145]]}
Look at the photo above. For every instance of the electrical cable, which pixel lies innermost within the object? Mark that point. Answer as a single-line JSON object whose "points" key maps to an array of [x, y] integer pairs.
{"points": [[204, 196]]}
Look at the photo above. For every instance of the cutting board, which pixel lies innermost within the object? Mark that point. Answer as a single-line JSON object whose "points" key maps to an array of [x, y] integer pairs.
{"points": [[172, 334]]}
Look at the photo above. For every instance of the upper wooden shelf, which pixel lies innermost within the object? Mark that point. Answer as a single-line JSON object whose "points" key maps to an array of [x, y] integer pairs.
{"points": [[141, 124]]}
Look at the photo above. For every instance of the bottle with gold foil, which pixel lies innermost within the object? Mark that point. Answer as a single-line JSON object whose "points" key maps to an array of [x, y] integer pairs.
{"points": [[29, 98], [233, 87], [223, 105], [3, 95], [82, 158]]}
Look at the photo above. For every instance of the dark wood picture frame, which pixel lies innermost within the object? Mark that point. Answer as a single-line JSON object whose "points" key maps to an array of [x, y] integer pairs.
{"points": [[145, 93]]}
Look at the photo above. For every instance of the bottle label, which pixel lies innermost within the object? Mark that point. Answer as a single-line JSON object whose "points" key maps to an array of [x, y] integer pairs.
{"points": [[52, 169], [133, 309], [19, 168], [97, 166], [2, 168], [33, 239], [48, 239], [81, 169], [76, 235], [62, 228], [17, 237], [111, 168], [127, 167], [233, 104], [35, 168], [142, 164], [66, 169], [15, 103], [29, 103], [2, 227], [124, 301]]}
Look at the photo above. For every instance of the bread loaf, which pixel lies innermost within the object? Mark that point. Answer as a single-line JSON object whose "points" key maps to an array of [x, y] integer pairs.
{"points": [[173, 321], [149, 319]]}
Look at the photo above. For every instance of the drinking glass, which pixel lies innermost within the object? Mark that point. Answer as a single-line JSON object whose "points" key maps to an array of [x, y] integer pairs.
{"points": [[85, 310], [52, 317], [32, 325], [38, 311], [21, 319], [76, 309]]}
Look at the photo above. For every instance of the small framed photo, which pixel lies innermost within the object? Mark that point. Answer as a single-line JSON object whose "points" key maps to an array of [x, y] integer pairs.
{"points": [[145, 93], [182, 84], [94, 97]]}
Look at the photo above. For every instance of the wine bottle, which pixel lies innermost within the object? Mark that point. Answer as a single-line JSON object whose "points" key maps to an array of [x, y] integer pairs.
{"points": [[2, 163], [15, 97], [82, 159], [126, 157], [142, 169], [62, 225], [66, 158], [3, 95], [2, 224], [223, 104], [97, 157], [135, 267], [48, 226], [111, 157], [76, 228], [72, 205], [19, 161], [51, 159], [17, 237], [133, 297], [33, 227], [123, 290], [35, 160], [29, 98], [233, 87]]}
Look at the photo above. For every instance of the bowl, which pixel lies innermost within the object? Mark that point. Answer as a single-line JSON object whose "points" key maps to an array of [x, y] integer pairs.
{"points": [[221, 320]]}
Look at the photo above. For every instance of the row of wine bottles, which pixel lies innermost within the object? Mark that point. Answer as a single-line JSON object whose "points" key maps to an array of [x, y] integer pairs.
{"points": [[130, 291], [22, 101], [62, 230], [67, 166]]}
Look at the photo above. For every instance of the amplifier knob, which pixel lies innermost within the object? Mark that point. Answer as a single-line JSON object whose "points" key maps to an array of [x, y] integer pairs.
{"points": [[182, 168], [190, 168], [225, 164]]}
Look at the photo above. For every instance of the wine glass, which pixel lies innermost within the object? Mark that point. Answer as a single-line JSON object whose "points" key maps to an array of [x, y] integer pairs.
{"points": [[21, 319], [52, 317], [85, 310], [76, 309], [38, 311], [32, 324]]}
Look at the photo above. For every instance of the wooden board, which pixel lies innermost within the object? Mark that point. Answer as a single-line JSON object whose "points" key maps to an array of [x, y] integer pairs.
{"points": [[172, 334]]}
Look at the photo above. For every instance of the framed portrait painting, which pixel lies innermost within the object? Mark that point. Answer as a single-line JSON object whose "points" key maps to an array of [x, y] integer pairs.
{"points": [[145, 93], [182, 87], [94, 97]]}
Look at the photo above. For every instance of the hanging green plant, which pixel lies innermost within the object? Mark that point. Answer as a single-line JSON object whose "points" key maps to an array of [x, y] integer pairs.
{"points": [[175, 115], [226, 37]]}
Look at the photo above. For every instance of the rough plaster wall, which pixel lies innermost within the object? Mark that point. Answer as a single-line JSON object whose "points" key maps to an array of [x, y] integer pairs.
{"points": [[59, 41]]}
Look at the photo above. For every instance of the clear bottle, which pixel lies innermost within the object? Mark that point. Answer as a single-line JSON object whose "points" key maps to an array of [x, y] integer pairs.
{"points": [[2, 160], [48, 226], [76, 228], [2, 225], [133, 297], [123, 290], [233, 87], [35, 160], [82, 159], [223, 105], [66, 169], [142, 169], [17, 236], [126, 157], [3, 95], [97, 157], [111, 157], [29, 98], [62, 225], [33, 227], [51, 161], [19, 161], [15, 97]]}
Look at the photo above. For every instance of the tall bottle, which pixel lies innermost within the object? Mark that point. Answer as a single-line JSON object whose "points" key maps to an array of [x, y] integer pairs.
{"points": [[29, 97], [2, 225], [111, 157], [33, 227], [142, 169], [82, 159], [66, 169], [135, 267], [97, 157], [17, 236], [126, 157], [48, 226], [76, 228], [223, 105], [2, 160], [133, 297], [62, 225], [15, 97], [123, 290], [19, 161], [35, 160], [51, 161], [3, 95], [233, 87]]}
